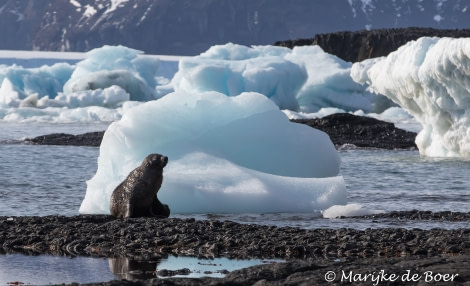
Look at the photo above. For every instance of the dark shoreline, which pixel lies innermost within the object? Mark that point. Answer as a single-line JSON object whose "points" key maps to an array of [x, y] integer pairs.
{"points": [[309, 253]]}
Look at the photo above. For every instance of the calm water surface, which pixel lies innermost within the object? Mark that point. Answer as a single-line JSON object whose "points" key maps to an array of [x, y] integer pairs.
{"points": [[46, 269], [404, 180], [51, 180], [44, 180]]}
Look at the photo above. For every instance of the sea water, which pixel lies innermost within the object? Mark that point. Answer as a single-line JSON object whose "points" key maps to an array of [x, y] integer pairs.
{"points": [[51, 180]]}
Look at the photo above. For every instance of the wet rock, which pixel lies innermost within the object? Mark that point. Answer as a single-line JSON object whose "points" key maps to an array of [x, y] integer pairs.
{"points": [[309, 253], [106, 236], [361, 131], [92, 139], [170, 273]]}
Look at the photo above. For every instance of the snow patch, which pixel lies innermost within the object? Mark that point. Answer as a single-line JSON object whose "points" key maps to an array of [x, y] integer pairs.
{"points": [[115, 4], [75, 3], [89, 11], [438, 18]]}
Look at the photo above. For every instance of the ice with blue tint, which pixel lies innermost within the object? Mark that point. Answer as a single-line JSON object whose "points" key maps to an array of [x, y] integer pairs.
{"points": [[430, 79], [116, 65], [17, 83], [304, 79], [95, 89], [226, 155], [329, 83]]}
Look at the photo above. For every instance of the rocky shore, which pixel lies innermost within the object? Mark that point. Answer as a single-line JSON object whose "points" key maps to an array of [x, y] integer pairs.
{"points": [[343, 128], [309, 254]]}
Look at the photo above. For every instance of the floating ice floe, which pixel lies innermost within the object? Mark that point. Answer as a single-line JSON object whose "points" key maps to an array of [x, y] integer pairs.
{"points": [[226, 155], [116, 66], [18, 83], [303, 79], [349, 210], [96, 87], [430, 79]]}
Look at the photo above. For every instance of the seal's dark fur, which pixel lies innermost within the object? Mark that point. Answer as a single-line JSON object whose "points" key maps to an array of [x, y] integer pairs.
{"points": [[136, 196]]}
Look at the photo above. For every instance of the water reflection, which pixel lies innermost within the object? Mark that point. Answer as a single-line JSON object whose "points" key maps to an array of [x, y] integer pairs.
{"points": [[47, 269], [123, 268], [180, 266]]}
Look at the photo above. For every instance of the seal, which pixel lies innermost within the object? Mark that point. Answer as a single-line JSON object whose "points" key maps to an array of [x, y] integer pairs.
{"points": [[136, 196]]}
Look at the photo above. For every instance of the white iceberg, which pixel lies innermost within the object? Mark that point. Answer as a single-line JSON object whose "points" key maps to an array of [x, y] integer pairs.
{"points": [[17, 83], [430, 79], [226, 155], [95, 89], [116, 65], [304, 79]]}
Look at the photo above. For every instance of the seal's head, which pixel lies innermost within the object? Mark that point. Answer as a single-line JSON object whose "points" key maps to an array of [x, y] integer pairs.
{"points": [[155, 161]]}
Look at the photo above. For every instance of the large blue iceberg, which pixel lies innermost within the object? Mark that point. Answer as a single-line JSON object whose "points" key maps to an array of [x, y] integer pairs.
{"points": [[226, 155]]}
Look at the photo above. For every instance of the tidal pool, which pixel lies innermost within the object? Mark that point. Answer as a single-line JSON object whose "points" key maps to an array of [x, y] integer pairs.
{"points": [[46, 269]]}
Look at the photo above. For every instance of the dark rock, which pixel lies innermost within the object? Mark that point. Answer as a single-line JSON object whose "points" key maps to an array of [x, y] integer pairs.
{"points": [[361, 131], [169, 273], [104, 235], [312, 253], [92, 139], [361, 45]]}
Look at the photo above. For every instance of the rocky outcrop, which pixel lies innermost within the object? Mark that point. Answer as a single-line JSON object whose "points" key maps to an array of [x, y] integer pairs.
{"points": [[361, 45], [361, 131], [103, 235], [309, 254], [92, 139]]}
